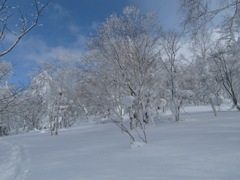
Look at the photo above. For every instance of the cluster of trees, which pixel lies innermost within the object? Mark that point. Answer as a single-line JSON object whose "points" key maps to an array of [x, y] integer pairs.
{"points": [[214, 28], [14, 25], [132, 68]]}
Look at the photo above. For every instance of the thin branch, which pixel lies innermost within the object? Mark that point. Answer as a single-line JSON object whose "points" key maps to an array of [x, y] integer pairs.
{"points": [[24, 29]]}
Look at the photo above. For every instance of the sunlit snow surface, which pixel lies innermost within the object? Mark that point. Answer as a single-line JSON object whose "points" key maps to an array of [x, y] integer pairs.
{"points": [[199, 147]]}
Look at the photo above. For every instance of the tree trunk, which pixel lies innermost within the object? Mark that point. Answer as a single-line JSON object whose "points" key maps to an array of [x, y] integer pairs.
{"points": [[235, 102], [213, 106]]}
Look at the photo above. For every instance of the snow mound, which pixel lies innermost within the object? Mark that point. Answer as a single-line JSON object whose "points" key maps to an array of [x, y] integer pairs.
{"points": [[136, 144]]}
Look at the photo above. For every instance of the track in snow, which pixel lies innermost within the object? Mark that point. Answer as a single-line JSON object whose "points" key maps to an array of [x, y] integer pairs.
{"points": [[13, 161]]}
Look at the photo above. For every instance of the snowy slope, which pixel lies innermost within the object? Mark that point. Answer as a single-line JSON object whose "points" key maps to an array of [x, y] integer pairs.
{"points": [[202, 147]]}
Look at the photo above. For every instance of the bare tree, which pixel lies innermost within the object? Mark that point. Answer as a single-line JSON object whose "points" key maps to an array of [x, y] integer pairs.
{"points": [[23, 22]]}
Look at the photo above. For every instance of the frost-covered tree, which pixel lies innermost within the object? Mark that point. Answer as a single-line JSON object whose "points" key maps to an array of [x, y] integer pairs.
{"points": [[58, 86], [226, 68], [221, 17], [37, 100], [175, 73], [14, 25], [9, 95], [67, 77], [123, 57], [204, 83]]}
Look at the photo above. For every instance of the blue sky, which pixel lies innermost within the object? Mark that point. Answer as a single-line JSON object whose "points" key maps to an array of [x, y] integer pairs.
{"points": [[66, 25]]}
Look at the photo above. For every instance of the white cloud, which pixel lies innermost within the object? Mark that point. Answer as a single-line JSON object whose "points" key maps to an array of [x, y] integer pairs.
{"points": [[59, 12], [65, 54], [74, 29], [33, 49], [80, 38]]}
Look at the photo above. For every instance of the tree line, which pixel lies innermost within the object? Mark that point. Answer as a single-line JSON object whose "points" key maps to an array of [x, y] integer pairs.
{"points": [[131, 70]]}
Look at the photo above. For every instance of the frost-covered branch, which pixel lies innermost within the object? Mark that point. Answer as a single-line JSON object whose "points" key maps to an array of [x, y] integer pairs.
{"points": [[24, 25]]}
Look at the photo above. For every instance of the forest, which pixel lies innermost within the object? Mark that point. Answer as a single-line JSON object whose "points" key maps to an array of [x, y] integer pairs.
{"points": [[132, 69]]}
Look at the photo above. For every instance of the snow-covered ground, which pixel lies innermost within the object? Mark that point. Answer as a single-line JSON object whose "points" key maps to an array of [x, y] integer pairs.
{"points": [[200, 147]]}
